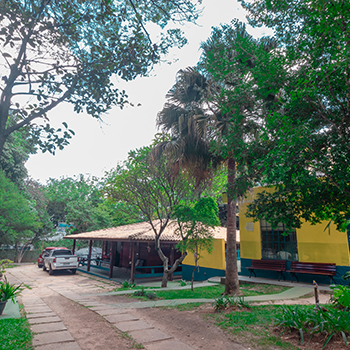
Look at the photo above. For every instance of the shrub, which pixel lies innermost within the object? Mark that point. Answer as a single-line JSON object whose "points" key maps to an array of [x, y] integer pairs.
{"points": [[293, 318], [221, 303], [151, 295], [341, 296], [140, 293], [128, 285], [306, 320]]}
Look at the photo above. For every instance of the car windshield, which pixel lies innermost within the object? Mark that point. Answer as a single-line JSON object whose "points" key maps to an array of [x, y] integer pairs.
{"points": [[61, 252]]}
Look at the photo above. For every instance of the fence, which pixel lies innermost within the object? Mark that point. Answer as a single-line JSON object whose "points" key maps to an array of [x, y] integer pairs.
{"points": [[29, 255]]}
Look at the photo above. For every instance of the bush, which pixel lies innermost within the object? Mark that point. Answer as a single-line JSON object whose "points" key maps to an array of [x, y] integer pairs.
{"points": [[221, 303], [306, 320], [143, 293], [341, 296], [128, 285]]}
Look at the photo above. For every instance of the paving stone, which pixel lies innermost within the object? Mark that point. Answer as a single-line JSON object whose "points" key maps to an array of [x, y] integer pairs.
{"points": [[33, 304], [41, 314], [33, 310], [44, 320], [111, 312], [52, 337], [167, 344], [62, 346], [149, 335], [120, 318], [132, 326], [48, 327], [106, 308]]}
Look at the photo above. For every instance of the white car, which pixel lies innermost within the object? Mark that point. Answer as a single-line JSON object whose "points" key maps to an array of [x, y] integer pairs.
{"points": [[60, 259]]}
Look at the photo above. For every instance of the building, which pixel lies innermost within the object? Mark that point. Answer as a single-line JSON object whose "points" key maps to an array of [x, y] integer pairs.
{"points": [[310, 243]]}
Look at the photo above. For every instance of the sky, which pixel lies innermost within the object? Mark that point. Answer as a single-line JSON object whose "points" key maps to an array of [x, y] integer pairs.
{"points": [[98, 147]]}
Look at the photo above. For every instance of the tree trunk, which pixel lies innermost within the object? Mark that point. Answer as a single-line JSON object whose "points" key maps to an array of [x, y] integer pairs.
{"points": [[166, 270], [193, 271], [231, 276]]}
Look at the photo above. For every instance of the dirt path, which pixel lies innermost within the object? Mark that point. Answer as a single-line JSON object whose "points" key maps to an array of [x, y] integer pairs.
{"points": [[90, 330], [191, 327]]}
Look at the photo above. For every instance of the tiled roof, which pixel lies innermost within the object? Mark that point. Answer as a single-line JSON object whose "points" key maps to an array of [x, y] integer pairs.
{"points": [[141, 231]]}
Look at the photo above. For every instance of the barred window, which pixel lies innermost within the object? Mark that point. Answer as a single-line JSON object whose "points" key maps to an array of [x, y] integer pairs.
{"points": [[276, 245]]}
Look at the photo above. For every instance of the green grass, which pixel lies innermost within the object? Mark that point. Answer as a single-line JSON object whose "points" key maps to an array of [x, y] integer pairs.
{"points": [[15, 334], [253, 326], [215, 291]]}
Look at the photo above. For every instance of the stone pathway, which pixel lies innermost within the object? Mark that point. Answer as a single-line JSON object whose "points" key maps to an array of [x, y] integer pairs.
{"points": [[47, 326]]}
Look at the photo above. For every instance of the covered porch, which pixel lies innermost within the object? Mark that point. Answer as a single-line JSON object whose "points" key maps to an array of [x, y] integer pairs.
{"points": [[128, 252]]}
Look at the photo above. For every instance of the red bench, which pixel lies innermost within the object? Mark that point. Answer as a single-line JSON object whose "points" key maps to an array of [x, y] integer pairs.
{"points": [[270, 265], [324, 269]]}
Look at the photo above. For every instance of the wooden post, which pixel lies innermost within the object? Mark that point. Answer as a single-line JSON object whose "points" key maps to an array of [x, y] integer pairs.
{"points": [[132, 272], [73, 250], [89, 256], [172, 259], [112, 259]]}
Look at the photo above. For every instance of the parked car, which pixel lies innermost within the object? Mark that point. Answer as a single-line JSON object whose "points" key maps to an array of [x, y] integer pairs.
{"points": [[41, 260], [83, 254], [60, 259]]}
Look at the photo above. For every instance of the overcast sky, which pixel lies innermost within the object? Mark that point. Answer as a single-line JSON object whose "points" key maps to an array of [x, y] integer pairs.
{"points": [[98, 147]]}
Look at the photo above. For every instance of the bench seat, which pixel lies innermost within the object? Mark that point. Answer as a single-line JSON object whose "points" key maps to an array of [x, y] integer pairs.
{"points": [[270, 265], [323, 269]]}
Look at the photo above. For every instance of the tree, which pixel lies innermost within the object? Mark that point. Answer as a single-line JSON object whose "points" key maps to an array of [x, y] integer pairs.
{"points": [[18, 218], [71, 51], [228, 61], [310, 128], [78, 203], [17, 149], [195, 227], [184, 117], [155, 186]]}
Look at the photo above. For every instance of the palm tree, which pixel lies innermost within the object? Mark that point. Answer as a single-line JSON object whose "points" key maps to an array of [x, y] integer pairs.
{"points": [[229, 56], [185, 117]]}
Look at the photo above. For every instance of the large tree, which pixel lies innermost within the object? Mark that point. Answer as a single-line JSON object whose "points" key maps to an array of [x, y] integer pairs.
{"points": [[229, 60], [54, 51], [155, 186], [310, 128]]}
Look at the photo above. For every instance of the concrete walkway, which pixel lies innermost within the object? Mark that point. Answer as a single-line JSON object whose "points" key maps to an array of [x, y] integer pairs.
{"points": [[51, 333]]}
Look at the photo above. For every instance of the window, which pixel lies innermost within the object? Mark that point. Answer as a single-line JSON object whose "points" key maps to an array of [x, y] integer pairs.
{"points": [[61, 252], [276, 245]]}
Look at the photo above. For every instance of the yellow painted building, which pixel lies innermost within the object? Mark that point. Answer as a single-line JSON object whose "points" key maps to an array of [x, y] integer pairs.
{"points": [[210, 264], [310, 243]]}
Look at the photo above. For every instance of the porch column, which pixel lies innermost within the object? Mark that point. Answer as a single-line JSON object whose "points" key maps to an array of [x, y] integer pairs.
{"points": [[89, 256], [132, 272], [112, 259], [73, 250]]}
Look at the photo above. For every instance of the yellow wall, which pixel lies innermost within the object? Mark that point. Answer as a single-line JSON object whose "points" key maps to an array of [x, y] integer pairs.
{"points": [[315, 244], [318, 244], [215, 260]]}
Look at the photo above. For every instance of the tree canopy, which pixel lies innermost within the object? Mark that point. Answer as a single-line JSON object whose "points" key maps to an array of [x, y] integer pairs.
{"points": [[308, 126], [18, 217], [75, 51], [155, 186]]}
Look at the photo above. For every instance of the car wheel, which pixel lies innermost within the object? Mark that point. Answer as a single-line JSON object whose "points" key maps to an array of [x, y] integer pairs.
{"points": [[44, 268], [50, 270], [74, 271]]}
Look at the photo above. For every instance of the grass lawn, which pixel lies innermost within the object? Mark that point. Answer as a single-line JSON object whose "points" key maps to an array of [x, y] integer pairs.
{"points": [[15, 334], [253, 326], [215, 291]]}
